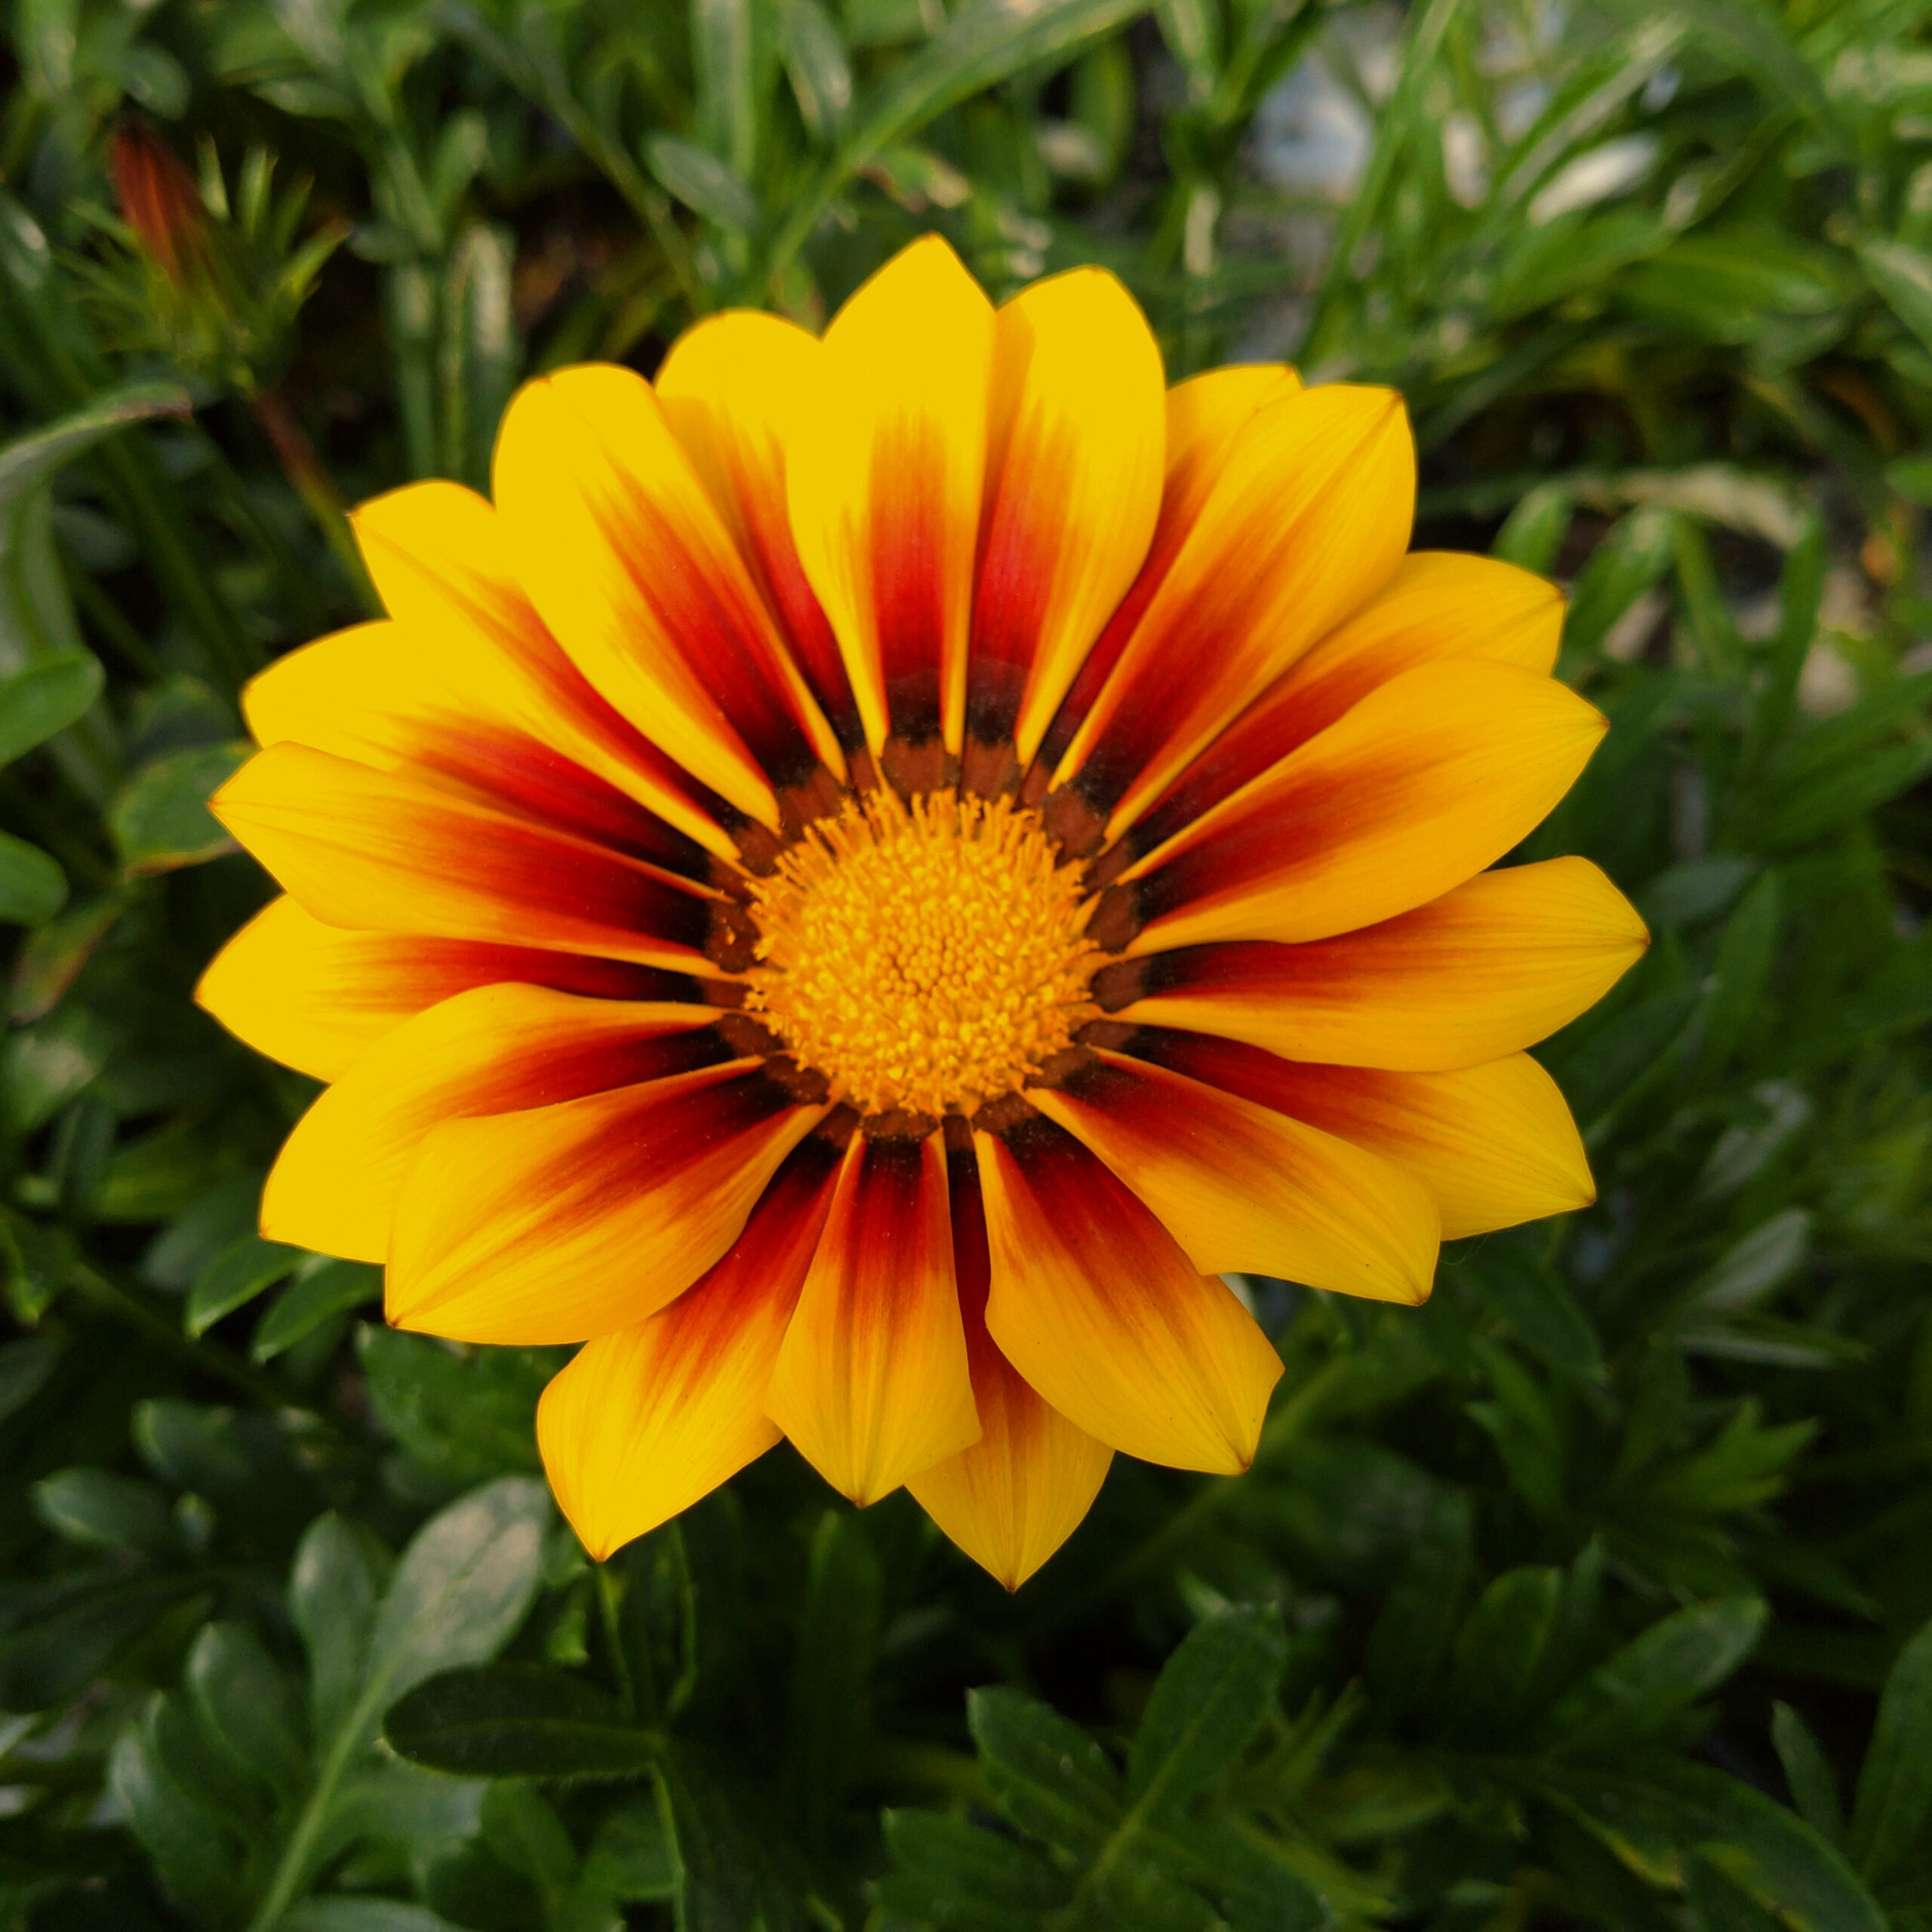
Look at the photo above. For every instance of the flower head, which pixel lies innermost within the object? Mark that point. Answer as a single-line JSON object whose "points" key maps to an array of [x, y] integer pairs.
{"points": [[881, 868]]}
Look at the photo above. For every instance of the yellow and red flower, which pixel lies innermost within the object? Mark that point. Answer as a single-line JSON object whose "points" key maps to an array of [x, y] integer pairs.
{"points": [[884, 867]]}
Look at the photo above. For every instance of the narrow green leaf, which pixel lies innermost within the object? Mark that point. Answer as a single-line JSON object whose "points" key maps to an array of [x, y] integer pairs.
{"points": [[702, 182], [517, 1721], [1902, 276], [831, 1669], [1808, 1773], [29, 460], [1210, 1698], [1894, 1800], [1656, 1674], [960, 1876], [1049, 1777], [247, 1705]]}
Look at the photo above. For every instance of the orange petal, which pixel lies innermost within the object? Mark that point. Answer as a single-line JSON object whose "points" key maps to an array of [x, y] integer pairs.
{"points": [[1309, 517], [1487, 970], [438, 556], [391, 851], [872, 1384], [626, 559], [1205, 415], [369, 694], [730, 387], [645, 1421], [1437, 604], [1012, 1499], [1073, 489], [1096, 1306], [1493, 1145], [317, 997], [885, 478], [1244, 1190], [492, 1050], [567, 1222], [1425, 783]]}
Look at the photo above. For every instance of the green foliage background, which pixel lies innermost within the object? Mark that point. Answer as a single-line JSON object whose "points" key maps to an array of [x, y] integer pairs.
{"points": [[1596, 1594]]}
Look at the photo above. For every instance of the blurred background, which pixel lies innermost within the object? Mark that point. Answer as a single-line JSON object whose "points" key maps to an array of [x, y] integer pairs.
{"points": [[1595, 1594]]}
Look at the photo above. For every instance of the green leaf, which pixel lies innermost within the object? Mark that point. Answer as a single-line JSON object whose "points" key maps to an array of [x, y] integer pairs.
{"points": [[702, 182], [1653, 1823], [31, 460], [517, 1721], [1808, 1771], [1212, 1695], [965, 1878], [313, 1297], [241, 1271], [631, 1860], [1894, 1800], [32, 888], [1541, 1312], [733, 1873], [831, 1671], [25, 1367], [463, 1416], [1656, 1674], [981, 44], [162, 822], [195, 1861], [43, 699], [1049, 1777], [332, 1592], [1501, 1651], [1902, 276], [97, 1508], [1410, 1636], [247, 1705], [1744, 962], [816, 65], [362, 1915], [1754, 1266], [462, 1586]]}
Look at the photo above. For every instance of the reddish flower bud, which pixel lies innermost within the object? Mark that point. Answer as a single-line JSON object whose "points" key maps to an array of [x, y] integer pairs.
{"points": [[159, 199]]}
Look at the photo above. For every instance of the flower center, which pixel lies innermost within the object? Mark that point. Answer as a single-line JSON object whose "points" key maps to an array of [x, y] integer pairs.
{"points": [[926, 956]]}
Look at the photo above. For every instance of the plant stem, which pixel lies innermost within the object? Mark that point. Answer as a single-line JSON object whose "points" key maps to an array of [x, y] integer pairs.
{"points": [[312, 483]]}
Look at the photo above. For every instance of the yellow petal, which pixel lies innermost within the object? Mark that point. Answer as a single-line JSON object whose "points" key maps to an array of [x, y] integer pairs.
{"points": [[1310, 516], [1493, 1145], [1488, 969], [730, 387], [1426, 782], [1096, 1306], [644, 1422], [872, 1384], [439, 558], [317, 997], [567, 1222], [1205, 415], [391, 851], [492, 1050], [1437, 604], [1074, 473], [1244, 1189], [370, 694], [625, 557], [885, 477], [1012, 1498]]}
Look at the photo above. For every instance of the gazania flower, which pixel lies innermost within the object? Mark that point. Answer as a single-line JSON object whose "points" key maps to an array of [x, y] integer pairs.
{"points": [[884, 867]]}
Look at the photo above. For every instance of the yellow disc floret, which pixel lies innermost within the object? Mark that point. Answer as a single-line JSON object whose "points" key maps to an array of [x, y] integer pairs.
{"points": [[926, 956]]}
